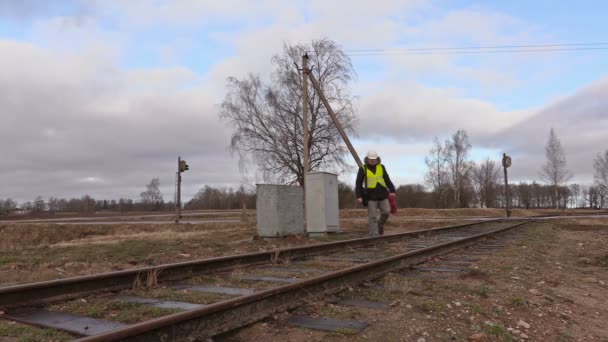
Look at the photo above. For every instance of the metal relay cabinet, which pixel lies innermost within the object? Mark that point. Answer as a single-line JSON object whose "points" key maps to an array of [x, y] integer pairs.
{"points": [[322, 206]]}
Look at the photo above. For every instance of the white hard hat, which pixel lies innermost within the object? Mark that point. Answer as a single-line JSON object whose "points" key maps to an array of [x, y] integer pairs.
{"points": [[372, 155]]}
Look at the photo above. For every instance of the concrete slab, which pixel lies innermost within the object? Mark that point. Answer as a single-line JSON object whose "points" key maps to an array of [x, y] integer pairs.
{"points": [[159, 303], [361, 303], [293, 269], [460, 258], [487, 249], [455, 263], [359, 260], [437, 269], [216, 289], [326, 324], [270, 279], [75, 324]]}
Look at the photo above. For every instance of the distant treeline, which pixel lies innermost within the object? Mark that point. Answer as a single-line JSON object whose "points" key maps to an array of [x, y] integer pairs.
{"points": [[216, 198], [523, 195], [85, 205], [206, 198]]}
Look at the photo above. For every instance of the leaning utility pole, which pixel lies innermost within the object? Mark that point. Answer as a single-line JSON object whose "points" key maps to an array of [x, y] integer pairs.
{"points": [[181, 167], [506, 163], [334, 118]]}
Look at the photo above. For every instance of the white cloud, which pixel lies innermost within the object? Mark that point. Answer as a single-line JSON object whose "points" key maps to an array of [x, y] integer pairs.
{"points": [[412, 112], [580, 122], [123, 126], [91, 179]]}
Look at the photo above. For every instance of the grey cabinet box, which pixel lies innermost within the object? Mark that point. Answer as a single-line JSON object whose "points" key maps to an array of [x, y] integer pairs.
{"points": [[322, 210], [280, 210]]}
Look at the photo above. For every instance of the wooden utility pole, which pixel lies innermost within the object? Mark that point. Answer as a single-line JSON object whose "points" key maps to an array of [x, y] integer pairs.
{"points": [[334, 118], [305, 115], [506, 163]]}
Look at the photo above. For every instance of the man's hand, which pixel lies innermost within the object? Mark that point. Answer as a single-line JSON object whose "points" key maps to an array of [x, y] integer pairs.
{"points": [[360, 199], [392, 194]]}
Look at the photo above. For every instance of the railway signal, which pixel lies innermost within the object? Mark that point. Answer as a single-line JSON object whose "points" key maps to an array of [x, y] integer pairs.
{"points": [[183, 166], [506, 163]]}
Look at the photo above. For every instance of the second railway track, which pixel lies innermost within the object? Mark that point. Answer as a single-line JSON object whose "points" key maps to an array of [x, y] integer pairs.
{"points": [[278, 280]]}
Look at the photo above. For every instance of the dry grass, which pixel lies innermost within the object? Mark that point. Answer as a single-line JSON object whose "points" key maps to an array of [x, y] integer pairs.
{"points": [[398, 283], [237, 274], [130, 216], [41, 235], [323, 263], [146, 281], [603, 221], [456, 213], [277, 259], [32, 235]]}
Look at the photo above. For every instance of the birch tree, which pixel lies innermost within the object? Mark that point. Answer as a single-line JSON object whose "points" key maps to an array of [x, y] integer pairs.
{"points": [[457, 150], [555, 171]]}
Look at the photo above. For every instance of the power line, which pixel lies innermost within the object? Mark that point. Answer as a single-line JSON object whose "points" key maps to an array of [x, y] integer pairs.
{"points": [[480, 47], [490, 49], [465, 52]]}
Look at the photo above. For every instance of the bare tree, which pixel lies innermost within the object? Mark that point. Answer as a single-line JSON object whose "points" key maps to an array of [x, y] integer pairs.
{"points": [[7, 206], [437, 173], [413, 196], [485, 178], [593, 197], [524, 194], [600, 175], [575, 189], [39, 205], [125, 205], [457, 156], [554, 171], [88, 204], [267, 118], [152, 199]]}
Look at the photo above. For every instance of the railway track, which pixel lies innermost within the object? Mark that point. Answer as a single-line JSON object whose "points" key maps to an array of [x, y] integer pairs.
{"points": [[252, 286]]}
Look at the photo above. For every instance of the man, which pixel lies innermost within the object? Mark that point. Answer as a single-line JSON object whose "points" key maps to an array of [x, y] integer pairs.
{"points": [[375, 185]]}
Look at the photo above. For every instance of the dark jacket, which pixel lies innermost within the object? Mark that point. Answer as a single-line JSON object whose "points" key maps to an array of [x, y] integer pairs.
{"points": [[379, 193]]}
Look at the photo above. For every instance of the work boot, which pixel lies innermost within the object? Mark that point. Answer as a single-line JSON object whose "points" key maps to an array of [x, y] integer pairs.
{"points": [[381, 222]]}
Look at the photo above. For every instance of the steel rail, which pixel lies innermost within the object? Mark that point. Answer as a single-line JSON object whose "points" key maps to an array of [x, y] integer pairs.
{"points": [[66, 288], [227, 315]]}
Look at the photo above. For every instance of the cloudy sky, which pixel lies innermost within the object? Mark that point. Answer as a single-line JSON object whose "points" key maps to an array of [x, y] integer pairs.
{"points": [[98, 97]]}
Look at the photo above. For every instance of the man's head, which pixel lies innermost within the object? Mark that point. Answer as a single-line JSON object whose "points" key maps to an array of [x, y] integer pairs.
{"points": [[372, 157]]}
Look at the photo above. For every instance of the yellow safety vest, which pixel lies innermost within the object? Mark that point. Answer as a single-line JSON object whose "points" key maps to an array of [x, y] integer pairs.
{"points": [[373, 179]]}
